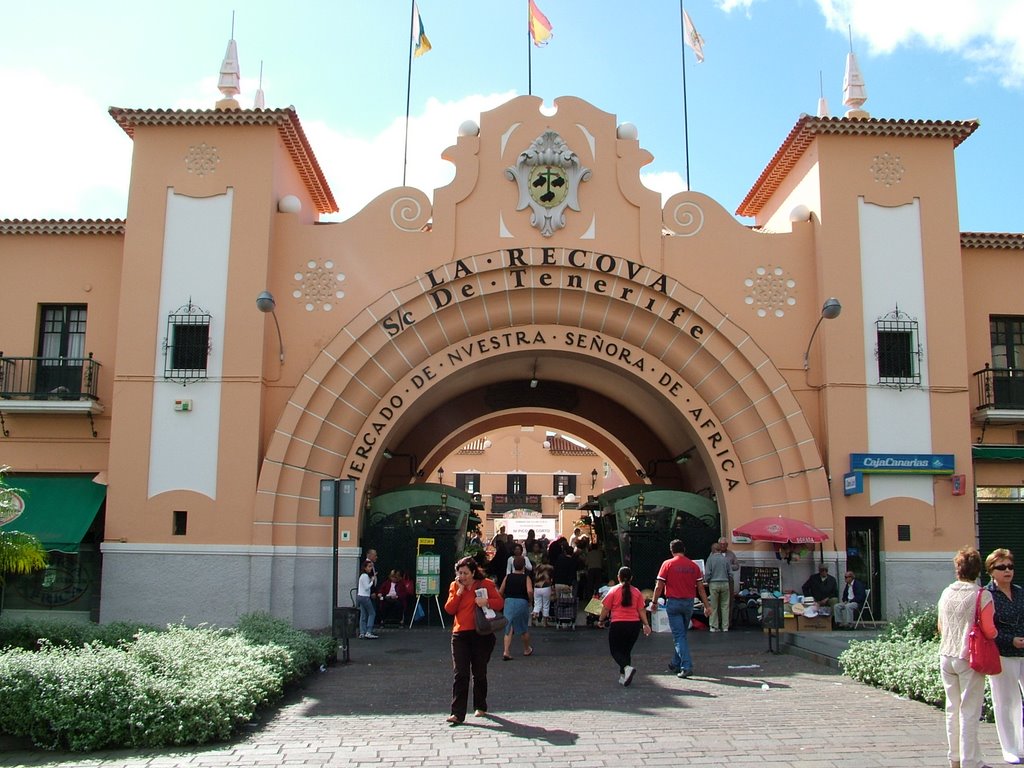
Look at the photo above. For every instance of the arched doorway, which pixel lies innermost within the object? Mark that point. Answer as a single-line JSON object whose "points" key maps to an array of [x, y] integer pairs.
{"points": [[633, 355]]}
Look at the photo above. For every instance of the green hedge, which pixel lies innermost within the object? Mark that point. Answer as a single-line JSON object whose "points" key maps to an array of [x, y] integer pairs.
{"points": [[26, 633], [904, 660], [163, 688]]}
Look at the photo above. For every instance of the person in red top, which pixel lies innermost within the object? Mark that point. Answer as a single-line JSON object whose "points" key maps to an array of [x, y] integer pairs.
{"points": [[680, 580], [470, 651], [624, 604]]}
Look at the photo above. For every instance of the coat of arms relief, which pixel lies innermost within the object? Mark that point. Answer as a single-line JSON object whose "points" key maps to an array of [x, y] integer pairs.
{"points": [[548, 175]]}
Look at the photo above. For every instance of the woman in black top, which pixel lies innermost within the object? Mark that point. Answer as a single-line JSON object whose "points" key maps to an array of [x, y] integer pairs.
{"points": [[1008, 601], [517, 589]]}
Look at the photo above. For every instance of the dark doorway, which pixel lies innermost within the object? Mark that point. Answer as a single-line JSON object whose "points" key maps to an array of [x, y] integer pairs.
{"points": [[1001, 525], [61, 350], [863, 544]]}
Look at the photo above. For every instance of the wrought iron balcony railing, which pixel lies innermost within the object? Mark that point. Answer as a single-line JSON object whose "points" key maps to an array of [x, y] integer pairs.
{"points": [[49, 378], [1000, 389]]}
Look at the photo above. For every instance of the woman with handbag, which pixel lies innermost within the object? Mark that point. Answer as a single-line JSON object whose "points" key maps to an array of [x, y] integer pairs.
{"points": [[471, 651], [1008, 601], [963, 605]]}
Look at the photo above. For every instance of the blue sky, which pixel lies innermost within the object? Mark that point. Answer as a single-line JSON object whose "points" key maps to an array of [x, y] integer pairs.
{"points": [[343, 66]]}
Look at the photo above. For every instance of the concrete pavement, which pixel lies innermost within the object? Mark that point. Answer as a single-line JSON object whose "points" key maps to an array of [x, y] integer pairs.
{"points": [[563, 707]]}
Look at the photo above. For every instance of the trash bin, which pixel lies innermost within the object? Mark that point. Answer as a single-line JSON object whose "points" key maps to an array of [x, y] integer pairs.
{"points": [[344, 628]]}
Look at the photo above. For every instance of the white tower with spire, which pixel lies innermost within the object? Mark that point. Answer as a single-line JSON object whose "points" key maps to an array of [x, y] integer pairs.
{"points": [[230, 75], [854, 91]]}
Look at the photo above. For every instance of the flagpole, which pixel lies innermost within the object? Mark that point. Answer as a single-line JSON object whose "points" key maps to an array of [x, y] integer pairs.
{"points": [[408, 89], [529, 53], [686, 129]]}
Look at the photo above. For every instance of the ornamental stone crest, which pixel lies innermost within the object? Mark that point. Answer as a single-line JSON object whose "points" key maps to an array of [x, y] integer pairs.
{"points": [[548, 175]]}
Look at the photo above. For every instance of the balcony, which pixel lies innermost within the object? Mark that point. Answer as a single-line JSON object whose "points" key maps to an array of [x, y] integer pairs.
{"points": [[1000, 395], [49, 385]]}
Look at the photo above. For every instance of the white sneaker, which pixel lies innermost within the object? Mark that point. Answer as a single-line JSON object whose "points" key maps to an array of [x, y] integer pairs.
{"points": [[628, 676], [622, 679], [371, 636], [361, 636], [713, 629]]}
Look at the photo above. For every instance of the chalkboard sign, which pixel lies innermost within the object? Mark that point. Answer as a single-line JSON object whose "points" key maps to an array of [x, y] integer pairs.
{"points": [[762, 578]]}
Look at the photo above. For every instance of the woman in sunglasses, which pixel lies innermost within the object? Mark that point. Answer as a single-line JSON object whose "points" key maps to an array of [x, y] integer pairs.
{"points": [[1008, 599]]}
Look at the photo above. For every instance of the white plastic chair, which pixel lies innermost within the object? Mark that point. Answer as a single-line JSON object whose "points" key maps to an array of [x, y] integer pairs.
{"points": [[865, 608]]}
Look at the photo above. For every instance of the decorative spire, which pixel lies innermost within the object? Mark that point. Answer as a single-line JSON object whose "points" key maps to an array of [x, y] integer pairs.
{"points": [[854, 91], [259, 102], [822, 103], [230, 75]]}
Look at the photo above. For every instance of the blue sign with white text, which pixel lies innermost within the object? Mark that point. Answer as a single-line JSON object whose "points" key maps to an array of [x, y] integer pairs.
{"points": [[853, 482], [903, 463]]}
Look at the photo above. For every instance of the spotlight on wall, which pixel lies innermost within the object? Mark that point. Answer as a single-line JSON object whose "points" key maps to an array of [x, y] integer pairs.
{"points": [[829, 311], [413, 472], [533, 379], [533, 383], [265, 303]]}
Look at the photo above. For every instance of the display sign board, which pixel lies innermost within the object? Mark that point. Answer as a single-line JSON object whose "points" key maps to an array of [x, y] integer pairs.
{"points": [[767, 578], [520, 527], [428, 574], [853, 482], [903, 463]]}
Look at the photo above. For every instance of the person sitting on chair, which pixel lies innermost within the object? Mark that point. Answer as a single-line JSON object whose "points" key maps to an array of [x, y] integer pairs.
{"points": [[853, 596], [823, 587], [393, 599]]}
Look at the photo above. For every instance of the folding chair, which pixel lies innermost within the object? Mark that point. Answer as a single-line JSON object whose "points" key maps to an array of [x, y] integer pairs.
{"points": [[865, 608]]}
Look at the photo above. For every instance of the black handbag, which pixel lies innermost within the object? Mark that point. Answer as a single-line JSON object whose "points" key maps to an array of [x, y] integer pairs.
{"points": [[486, 626]]}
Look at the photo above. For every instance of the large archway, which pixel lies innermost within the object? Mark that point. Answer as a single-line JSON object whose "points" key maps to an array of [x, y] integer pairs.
{"points": [[423, 357]]}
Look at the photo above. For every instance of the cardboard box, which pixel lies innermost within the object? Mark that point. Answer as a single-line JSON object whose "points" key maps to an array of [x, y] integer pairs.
{"points": [[803, 624]]}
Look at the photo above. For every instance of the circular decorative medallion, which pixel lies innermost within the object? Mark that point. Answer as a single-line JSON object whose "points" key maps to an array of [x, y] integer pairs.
{"points": [[548, 185]]}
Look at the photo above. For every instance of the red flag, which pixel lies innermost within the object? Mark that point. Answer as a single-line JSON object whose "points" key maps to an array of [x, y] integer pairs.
{"points": [[540, 27]]}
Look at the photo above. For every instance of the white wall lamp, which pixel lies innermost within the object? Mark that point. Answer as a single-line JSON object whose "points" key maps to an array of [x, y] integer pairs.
{"points": [[829, 311], [265, 303]]}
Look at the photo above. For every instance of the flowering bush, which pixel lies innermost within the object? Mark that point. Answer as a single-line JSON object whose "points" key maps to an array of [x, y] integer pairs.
{"points": [[904, 659], [162, 688]]}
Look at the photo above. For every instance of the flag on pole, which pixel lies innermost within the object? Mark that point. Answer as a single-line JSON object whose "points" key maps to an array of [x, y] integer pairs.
{"points": [[420, 43], [540, 27], [693, 38]]}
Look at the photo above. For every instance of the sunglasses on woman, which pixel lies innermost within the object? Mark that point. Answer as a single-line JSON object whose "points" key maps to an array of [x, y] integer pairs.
{"points": [[1002, 567]]}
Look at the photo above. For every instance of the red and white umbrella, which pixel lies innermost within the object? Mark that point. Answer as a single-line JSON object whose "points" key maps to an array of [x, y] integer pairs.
{"points": [[781, 530]]}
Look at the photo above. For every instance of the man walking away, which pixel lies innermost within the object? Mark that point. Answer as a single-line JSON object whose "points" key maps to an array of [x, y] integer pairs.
{"points": [[680, 580]]}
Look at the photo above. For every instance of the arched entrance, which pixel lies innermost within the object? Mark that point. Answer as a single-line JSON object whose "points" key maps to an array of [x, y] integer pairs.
{"points": [[643, 363]]}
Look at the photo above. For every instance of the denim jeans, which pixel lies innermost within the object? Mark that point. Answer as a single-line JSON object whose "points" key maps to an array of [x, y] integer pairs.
{"points": [[679, 610], [367, 614]]}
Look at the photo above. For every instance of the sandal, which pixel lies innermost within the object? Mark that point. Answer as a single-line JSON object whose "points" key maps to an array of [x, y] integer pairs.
{"points": [[453, 720], [528, 652], [506, 658]]}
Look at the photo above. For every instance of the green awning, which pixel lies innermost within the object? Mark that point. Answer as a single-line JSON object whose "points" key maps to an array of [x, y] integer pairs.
{"points": [[998, 452], [58, 510]]}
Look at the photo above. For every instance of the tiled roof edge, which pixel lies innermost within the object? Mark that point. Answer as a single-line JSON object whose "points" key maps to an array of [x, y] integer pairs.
{"points": [[998, 240], [286, 121], [808, 127], [61, 226]]}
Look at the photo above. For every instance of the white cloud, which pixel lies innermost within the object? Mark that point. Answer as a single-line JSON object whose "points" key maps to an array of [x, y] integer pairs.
{"points": [[64, 156], [359, 169], [667, 183], [987, 32]]}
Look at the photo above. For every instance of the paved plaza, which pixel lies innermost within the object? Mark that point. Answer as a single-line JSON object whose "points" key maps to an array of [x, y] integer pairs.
{"points": [[563, 706]]}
